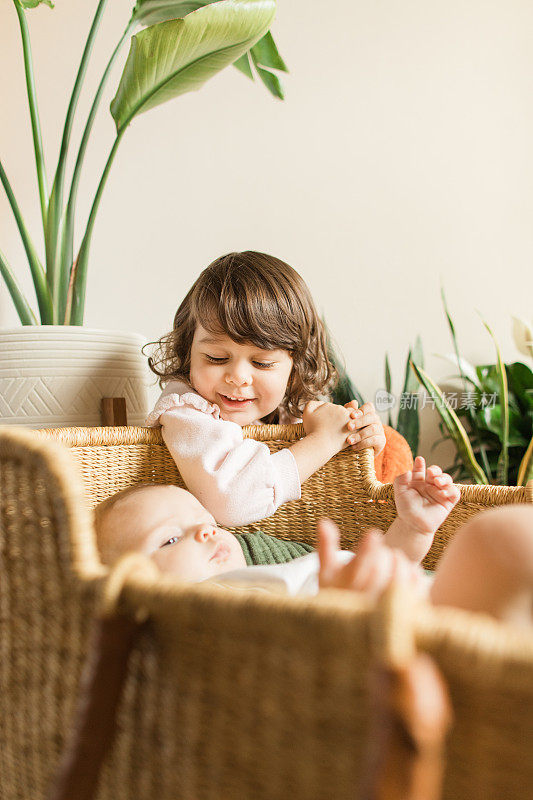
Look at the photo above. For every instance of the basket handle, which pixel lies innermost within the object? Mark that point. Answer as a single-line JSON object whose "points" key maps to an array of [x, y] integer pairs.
{"points": [[410, 710], [112, 640]]}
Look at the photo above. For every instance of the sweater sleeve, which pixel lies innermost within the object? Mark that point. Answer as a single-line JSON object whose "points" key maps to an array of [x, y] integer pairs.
{"points": [[238, 480]]}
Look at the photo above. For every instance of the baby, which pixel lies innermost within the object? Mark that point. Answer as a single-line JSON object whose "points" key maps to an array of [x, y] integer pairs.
{"points": [[488, 566]]}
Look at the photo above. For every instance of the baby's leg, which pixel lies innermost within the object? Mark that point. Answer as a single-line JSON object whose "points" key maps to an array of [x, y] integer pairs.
{"points": [[488, 566]]}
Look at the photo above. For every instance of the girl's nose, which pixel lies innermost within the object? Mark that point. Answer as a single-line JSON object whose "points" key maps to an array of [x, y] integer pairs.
{"points": [[238, 375], [204, 533]]}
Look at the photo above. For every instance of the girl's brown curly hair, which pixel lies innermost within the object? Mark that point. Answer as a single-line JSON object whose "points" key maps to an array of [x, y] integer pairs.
{"points": [[258, 299]]}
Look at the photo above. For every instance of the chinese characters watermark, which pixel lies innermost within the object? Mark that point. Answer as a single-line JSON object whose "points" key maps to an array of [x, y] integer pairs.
{"points": [[384, 400]]}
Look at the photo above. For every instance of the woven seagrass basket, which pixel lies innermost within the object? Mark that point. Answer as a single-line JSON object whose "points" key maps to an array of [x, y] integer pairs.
{"points": [[229, 696]]}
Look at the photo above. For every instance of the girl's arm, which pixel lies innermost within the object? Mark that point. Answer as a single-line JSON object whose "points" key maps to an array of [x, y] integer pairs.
{"points": [[238, 480], [327, 427]]}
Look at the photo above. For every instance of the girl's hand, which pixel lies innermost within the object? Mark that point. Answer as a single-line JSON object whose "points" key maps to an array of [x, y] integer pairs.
{"points": [[366, 428], [328, 421], [424, 498], [371, 569]]}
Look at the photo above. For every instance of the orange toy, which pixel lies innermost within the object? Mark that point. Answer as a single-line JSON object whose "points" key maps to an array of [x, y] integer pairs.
{"points": [[395, 458]]}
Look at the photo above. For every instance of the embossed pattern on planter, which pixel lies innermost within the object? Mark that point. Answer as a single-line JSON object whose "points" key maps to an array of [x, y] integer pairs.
{"points": [[53, 376]]}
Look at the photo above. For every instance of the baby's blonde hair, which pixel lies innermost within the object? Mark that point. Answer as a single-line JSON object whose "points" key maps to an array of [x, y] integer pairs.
{"points": [[109, 542]]}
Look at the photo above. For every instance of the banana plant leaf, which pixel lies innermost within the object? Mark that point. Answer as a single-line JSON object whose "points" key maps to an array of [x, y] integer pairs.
{"points": [[150, 12], [264, 54], [180, 55]]}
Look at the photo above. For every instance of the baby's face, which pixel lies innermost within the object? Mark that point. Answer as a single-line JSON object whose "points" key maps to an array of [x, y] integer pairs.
{"points": [[176, 531]]}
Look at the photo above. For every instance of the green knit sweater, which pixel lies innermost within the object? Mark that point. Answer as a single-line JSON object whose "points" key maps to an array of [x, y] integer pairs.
{"points": [[260, 548]]}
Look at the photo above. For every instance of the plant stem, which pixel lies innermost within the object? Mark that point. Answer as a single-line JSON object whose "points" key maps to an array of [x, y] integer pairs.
{"points": [[34, 112], [39, 279], [26, 315], [55, 208], [67, 248], [503, 460], [76, 295], [470, 411]]}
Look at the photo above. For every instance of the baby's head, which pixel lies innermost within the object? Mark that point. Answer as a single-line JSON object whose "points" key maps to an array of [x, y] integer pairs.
{"points": [[263, 306], [169, 525]]}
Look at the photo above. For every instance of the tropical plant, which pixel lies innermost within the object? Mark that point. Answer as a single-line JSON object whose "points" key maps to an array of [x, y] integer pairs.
{"points": [[492, 427], [180, 47], [407, 421]]}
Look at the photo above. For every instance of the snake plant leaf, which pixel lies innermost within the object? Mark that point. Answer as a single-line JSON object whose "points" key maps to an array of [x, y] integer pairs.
{"points": [[503, 461], [466, 369], [453, 426], [408, 417], [179, 56], [35, 3], [525, 471], [388, 386]]}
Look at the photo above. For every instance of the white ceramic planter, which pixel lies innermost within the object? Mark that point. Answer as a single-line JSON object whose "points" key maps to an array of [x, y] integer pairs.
{"points": [[55, 376]]}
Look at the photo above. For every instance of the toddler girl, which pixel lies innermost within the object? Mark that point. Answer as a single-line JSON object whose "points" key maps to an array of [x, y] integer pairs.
{"points": [[248, 347]]}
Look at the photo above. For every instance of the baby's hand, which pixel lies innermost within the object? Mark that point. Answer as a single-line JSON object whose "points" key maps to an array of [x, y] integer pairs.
{"points": [[424, 499], [327, 420], [368, 427], [371, 569]]}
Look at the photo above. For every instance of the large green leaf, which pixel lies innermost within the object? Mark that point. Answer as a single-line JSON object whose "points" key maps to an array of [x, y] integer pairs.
{"points": [[492, 419], [179, 56], [520, 380], [264, 54]]}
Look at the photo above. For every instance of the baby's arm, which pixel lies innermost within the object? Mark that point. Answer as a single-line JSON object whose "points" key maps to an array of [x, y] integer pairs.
{"points": [[423, 501], [371, 568], [327, 428]]}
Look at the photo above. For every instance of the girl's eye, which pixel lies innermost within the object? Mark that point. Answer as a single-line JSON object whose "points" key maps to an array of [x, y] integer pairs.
{"points": [[215, 360], [264, 364], [172, 540]]}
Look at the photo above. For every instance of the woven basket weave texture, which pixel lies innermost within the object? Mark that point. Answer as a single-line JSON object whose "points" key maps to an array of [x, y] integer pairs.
{"points": [[229, 696]]}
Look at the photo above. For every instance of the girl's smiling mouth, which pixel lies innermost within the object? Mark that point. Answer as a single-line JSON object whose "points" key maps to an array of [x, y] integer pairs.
{"points": [[234, 402]]}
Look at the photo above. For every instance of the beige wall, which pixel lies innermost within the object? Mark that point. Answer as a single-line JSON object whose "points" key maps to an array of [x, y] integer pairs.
{"points": [[401, 157]]}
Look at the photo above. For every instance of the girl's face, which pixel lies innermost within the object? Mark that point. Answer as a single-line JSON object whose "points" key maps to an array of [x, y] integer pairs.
{"points": [[247, 383]]}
